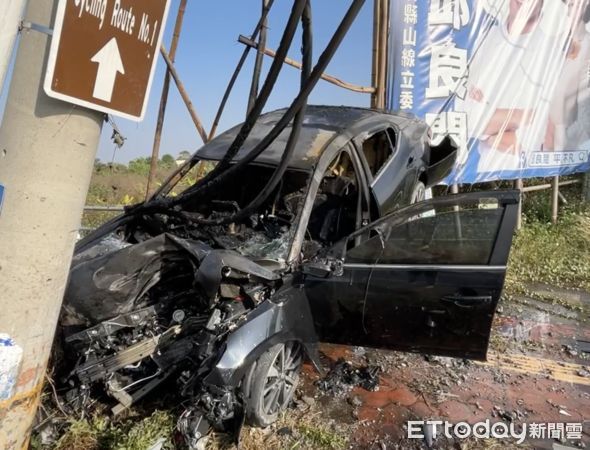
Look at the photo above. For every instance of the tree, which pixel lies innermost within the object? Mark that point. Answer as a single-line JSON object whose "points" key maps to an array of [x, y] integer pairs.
{"points": [[98, 165], [184, 155], [140, 166], [167, 161]]}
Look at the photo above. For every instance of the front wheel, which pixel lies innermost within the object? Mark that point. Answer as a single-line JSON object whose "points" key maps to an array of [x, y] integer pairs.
{"points": [[271, 382]]}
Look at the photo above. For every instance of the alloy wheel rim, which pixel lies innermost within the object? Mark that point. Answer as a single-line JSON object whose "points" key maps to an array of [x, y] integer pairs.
{"points": [[281, 379]]}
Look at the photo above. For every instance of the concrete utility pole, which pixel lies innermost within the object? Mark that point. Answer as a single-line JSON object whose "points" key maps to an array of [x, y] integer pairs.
{"points": [[47, 151], [9, 21]]}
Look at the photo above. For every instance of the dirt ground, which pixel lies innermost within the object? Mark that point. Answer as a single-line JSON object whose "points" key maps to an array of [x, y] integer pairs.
{"points": [[538, 371]]}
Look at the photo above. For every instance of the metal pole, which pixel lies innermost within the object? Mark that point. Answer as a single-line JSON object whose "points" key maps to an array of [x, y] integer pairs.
{"points": [[259, 58], [383, 31], [10, 16], [541, 187], [458, 228], [48, 150], [380, 64], [375, 52], [518, 185], [184, 96], [164, 100], [386, 50], [234, 76], [324, 76], [554, 199]]}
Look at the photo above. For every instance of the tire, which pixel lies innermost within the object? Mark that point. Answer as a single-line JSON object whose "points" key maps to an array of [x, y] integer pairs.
{"points": [[271, 382], [418, 193]]}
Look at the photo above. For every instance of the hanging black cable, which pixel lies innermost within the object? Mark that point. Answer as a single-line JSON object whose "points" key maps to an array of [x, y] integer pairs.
{"points": [[306, 52], [164, 204], [265, 92], [301, 98], [258, 62], [237, 70]]}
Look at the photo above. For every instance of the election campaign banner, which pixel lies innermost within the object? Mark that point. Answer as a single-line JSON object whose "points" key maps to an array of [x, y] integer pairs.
{"points": [[508, 79]]}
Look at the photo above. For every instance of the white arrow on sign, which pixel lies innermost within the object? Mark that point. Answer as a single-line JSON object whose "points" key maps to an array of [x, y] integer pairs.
{"points": [[109, 63]]}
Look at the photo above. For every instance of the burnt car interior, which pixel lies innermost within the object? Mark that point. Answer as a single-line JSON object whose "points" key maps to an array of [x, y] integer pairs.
{"points": [[265, 234], [335, 210]]}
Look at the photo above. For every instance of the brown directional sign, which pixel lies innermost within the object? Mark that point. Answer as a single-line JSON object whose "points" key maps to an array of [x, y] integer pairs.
{"points": [[104, 52]]}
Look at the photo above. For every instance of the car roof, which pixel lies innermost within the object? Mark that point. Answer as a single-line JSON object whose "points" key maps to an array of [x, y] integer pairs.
{"points": [[320, 125]]}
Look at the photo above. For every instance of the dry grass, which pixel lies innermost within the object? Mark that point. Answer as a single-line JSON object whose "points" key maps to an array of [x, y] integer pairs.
{"points": [[296, 429], [102, 433]]}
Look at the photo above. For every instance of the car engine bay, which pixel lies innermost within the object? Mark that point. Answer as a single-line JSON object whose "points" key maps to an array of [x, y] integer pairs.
{"points": [[158, 295]]}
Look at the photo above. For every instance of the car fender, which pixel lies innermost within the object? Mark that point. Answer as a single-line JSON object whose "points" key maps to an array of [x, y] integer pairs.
{"points": [[284, 317]]}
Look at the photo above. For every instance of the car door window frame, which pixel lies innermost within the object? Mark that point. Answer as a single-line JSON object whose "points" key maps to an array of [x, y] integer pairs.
{"points": [[318, 174], [500, 248], [358, 143]]}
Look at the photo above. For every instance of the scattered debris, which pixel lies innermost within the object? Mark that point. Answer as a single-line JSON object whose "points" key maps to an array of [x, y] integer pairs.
{"points": [[355, 401], [343, 377], [569, 350]]}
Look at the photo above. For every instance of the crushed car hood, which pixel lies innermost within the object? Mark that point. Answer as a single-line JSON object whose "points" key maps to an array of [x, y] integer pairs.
{"points": [[113, 276]]}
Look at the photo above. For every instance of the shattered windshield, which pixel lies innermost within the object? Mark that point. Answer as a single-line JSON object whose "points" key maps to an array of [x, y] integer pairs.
{"points": [[265, 234]]}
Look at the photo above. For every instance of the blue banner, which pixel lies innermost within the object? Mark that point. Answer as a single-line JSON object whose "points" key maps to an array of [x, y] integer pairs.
{"points": [[509, 80]]}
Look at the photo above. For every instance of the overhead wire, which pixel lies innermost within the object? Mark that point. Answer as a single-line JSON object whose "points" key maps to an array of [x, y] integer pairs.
{"points": [[237, 70], [295, 106], [260, 102], [307, 51]]}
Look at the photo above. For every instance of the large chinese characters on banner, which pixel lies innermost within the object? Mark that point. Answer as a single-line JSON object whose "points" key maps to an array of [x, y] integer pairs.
{"points": [[508, 79]]}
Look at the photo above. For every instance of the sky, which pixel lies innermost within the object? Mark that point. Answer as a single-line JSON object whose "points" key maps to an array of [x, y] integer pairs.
{"points": [[207, 54]]}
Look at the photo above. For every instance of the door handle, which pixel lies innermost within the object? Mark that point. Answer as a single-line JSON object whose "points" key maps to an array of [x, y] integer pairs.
{"points": [[467, 301]]}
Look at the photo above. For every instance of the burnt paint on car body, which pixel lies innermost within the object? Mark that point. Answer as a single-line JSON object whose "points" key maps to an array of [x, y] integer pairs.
{"points": [[286, 317], [335, 301], [329, 121], [327, 129]]}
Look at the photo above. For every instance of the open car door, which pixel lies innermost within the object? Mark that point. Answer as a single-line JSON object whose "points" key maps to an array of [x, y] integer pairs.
{"points": [[426, 278]]}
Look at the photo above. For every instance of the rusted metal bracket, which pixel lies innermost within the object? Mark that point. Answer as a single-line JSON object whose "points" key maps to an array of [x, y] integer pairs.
{"points": [[291, 62]]}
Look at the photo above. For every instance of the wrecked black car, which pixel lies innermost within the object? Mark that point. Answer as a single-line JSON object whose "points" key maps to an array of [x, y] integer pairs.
{"points": [[226, 300]]}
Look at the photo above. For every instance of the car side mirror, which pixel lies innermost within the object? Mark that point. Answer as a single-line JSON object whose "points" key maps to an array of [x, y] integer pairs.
{"points": [[318, 269], [324, 268]]}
